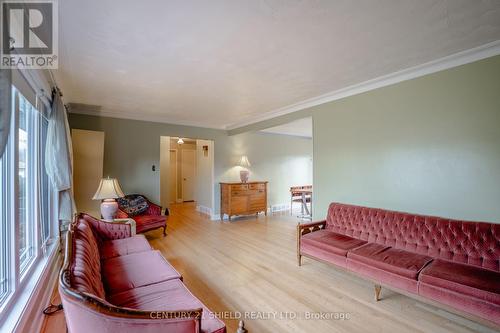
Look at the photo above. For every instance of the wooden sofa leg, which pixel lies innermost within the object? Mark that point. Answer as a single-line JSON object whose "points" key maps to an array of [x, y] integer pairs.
{"points": [[241, 327], [164, 231], [299, 259], [378, 288]]}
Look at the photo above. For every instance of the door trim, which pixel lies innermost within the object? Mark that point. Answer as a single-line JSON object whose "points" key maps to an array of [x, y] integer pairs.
{"points": [[176, 199]]}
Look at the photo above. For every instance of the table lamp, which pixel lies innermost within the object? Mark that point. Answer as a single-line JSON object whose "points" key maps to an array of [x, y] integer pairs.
{"points": [[108, 191], [245, 163]]}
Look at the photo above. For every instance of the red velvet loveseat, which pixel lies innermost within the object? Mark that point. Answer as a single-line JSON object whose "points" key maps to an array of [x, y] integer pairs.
{"points": [[112, 282], [455, 263], [151, 219]]}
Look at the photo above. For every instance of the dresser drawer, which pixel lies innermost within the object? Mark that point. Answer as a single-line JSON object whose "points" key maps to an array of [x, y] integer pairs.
{"points": [[257, 186], [257, 202], [239, 205], [239, 187]]}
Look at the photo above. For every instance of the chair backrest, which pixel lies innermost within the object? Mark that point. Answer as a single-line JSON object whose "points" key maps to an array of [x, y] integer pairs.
{"points": [[295, 190], [474, 243]]}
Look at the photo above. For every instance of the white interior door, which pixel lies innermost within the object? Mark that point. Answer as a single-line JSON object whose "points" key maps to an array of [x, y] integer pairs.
{"points": [[188, 172], [88, 157], [173, 176]]}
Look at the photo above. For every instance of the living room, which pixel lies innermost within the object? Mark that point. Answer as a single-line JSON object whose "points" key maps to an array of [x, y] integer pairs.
{"points": [[264, 166]]}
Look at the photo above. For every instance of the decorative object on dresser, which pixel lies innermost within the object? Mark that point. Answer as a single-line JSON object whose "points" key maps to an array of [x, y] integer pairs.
{"points": [[244, 173], [147, 215], [243, 198], [108, 191]]}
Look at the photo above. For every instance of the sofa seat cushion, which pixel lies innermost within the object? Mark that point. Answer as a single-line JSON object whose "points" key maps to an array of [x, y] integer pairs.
{"points": [[463, 279], [121, 247], [167, 296], [331, 241], [400, 262], [147, 222], [136, 270]]}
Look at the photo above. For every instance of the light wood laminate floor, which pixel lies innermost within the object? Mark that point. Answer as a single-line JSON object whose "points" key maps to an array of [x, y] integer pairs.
{"points": [[249, 267]]}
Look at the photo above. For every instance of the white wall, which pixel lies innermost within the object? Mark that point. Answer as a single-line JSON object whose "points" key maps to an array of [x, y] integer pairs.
{"points": [[205, 174], [164, 171]]}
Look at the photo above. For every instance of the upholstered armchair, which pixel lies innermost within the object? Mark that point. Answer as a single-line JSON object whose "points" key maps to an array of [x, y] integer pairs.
{"points": [[147, 215]]}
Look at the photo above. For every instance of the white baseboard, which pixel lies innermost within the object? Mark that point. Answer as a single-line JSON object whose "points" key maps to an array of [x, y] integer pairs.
{"points": [[216, 217], [31, 319], [278, 208], [204, 210], [270, 209]]}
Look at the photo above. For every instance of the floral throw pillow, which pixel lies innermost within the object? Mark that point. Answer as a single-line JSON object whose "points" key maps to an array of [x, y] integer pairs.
{"points": [[133, 204]]}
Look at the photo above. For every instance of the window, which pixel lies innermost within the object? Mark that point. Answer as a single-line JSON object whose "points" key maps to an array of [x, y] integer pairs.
{"points": [[26, 214], [45, 186], [4, 260], [26, 184]]}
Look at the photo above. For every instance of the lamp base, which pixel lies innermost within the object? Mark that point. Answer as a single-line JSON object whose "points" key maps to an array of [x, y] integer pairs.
{"points": [[108, 209], [244, 174]]}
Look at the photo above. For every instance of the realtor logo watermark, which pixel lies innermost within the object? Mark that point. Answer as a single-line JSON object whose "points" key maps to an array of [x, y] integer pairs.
{"points": [[29, 34]]}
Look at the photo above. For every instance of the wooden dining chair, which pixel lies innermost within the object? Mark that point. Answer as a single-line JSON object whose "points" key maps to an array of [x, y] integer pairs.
{"points": [[296, 196]]}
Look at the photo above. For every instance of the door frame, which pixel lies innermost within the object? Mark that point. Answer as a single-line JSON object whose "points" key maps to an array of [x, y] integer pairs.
{"points": [[176, 199], [182, 176]]}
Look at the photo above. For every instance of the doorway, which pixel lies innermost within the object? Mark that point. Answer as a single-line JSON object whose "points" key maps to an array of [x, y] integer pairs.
{"points": [[187, 172]]}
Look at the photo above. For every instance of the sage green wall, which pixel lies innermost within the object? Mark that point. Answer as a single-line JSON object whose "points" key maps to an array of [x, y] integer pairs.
{"points": [[430, 145], [131, 148]]}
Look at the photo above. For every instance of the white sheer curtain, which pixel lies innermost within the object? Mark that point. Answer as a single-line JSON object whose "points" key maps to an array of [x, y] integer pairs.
{"points": [[5, 107], [59, 158]]}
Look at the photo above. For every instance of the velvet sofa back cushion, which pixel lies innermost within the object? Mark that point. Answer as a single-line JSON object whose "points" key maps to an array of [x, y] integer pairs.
{"points": [[473, 243], [85, 268]]}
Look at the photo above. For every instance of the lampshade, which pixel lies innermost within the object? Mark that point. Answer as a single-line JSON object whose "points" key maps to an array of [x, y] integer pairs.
{"points": [[180, 141], [244, 162], [108, 189]]}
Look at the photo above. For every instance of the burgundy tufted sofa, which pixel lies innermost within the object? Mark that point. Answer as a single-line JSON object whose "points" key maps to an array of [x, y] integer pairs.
{"points": [[149, 220], [114, 282], [455, 263]]}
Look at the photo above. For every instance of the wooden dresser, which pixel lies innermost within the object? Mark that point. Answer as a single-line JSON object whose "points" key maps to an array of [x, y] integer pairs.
{"points": [[243, 198]]}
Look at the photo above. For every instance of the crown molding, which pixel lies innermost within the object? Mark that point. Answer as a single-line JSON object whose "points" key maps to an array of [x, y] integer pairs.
{"points": [[143, 117], [454, 60]]}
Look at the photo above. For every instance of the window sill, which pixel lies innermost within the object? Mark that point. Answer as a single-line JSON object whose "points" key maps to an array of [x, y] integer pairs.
{"points": [[22, 304]]}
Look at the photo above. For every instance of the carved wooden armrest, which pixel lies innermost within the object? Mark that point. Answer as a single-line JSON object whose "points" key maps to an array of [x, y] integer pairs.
{"points": [[303, 229]]}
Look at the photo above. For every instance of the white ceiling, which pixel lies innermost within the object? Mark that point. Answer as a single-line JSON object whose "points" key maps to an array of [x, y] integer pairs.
{"points": [[224, 62], [300, 127]]}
